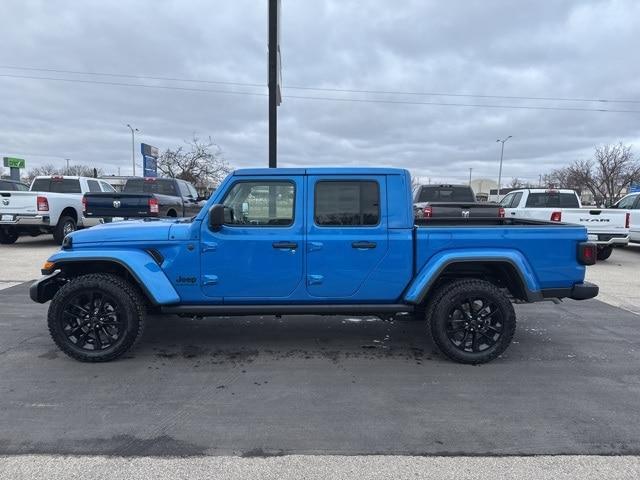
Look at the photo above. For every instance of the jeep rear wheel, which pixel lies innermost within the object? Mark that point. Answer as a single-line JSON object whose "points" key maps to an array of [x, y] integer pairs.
{"points": [[96, 317], [472, 321]]}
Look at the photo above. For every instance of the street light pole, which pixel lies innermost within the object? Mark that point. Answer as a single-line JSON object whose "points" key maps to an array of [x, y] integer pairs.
{"points": [[133, 147], [501, 155], [67, 159], [470, 170]]}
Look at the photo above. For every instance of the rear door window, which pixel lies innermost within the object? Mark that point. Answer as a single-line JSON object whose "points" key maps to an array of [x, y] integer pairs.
{"points": [[351, 203], [516, 200], [93, 185], [106, 187], [506, 201]]}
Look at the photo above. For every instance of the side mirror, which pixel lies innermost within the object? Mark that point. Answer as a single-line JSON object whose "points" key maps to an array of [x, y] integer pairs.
{"points": [[216, 217]]}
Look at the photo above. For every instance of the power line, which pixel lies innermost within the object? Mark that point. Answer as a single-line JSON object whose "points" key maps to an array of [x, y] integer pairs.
{"points": [[326, 89], [334, 99]]}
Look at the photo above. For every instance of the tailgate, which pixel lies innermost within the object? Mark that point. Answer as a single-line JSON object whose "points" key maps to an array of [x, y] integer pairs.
{"points": [[597, 220], [117, 204], [17, 203]]}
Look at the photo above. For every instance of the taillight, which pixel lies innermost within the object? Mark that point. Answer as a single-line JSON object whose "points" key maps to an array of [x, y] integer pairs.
{"points": [[153, 206], [556, 217], [43, 204], [587, 253], [627, 220], [500, 212], [84, 204], [427, 212]]}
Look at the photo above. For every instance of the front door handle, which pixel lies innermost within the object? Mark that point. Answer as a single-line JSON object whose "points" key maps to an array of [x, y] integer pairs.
{"points": [[285, 245], [363, 245]]}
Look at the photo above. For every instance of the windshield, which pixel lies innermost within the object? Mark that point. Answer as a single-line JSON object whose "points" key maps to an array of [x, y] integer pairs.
{"points": [[445, 194]]}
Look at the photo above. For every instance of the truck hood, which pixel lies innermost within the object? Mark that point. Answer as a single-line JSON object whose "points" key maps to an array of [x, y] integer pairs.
{"points": [[132, 231]]}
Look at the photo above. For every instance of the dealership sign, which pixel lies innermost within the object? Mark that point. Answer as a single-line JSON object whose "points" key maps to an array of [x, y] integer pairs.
{"points": [[150, 156], [11, 162]]}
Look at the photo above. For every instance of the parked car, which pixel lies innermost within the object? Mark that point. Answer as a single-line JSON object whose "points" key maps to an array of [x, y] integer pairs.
{"points": [[53, 204], [606, 227], [12, 185], [145, 197], [451, 201], [631, 203], [311, 241]]}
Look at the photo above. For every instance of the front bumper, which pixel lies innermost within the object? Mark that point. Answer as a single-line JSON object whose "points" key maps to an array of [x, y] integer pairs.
{"points": [[580, 291], [43, 290]]}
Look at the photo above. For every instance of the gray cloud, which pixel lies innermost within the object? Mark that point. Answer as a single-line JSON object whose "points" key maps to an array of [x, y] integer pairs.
{"points": [[559, 49]]}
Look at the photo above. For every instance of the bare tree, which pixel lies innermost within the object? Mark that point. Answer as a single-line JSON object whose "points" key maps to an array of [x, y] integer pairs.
{"points": [[78, 170], [200, 163], [611, 170], [516, 183]]}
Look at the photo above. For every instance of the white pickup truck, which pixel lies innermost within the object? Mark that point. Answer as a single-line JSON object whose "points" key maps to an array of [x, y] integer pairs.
{"points": [[605, 227], [631, 203], [53, 204]]}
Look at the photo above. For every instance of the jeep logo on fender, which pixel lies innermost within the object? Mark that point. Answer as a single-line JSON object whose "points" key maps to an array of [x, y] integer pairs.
{"points": [[116, 204], [188, 280], [595, 220]]}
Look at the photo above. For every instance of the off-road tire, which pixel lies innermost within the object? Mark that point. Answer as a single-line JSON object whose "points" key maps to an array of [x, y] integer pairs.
{"points": [[129, 301], [604, 253], [452, 294], [8, 236], [59, 230]]}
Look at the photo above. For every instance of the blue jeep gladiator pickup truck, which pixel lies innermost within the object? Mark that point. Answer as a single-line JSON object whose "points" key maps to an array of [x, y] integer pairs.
{"points": [[320, 241]]}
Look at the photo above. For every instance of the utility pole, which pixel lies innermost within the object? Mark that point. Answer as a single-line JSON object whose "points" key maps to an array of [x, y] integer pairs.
{"points": [[133, 147], [470, 170], [67, 159], [274, 79], [540, 180], [501, 155]]}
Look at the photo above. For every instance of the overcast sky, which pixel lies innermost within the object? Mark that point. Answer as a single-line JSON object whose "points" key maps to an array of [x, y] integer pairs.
{"points": [[568, 49]]}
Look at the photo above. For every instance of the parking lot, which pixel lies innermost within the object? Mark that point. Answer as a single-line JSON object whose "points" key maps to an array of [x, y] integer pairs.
{"points": [[262, 386]]}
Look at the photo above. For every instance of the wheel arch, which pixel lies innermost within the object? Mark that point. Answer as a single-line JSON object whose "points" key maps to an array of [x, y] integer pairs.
{"points": [[139, 268], [510, 272], [69, 212]]}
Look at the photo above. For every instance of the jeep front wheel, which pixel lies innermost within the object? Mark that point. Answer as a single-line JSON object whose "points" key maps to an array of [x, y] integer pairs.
{"points": [[472, 321], [96, 317]]}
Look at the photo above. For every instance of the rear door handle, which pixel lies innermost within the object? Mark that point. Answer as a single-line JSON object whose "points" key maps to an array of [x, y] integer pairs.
{"points": [[285, 245], [363, 245]]}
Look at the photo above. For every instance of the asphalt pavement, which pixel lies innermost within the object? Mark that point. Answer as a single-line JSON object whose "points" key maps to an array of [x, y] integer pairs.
{"points": [[261, 386]]}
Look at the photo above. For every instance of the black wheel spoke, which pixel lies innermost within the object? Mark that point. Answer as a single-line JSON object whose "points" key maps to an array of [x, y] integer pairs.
{"points": [[92, 320], [474, 342], [82, 339], [494, 330], [96, 332], [79, 309], [488, 337]]}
